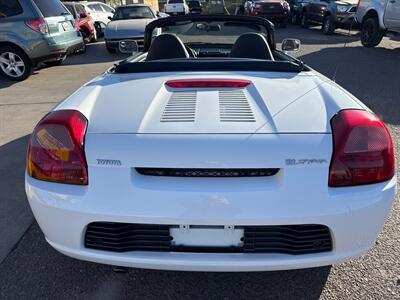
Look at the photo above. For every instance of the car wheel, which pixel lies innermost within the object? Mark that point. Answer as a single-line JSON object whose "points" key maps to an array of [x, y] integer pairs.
{"points": [[304, 21], [294, 19], [371, 34], [111, 50], [14, 63], [55, 63], [83, 49], [328, 25], [283, 23], [99, 30], [93, 39]]}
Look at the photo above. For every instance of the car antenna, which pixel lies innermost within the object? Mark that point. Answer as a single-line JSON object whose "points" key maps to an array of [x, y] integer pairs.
{"points": [[344, 46]]}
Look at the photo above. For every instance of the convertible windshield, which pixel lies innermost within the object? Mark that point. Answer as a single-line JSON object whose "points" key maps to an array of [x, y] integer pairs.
{"points": [[133, 12], [214, 32]]}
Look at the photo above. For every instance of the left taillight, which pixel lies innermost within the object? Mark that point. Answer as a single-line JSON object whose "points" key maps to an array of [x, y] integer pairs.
{"points": [[39, 25], [56, 148]]}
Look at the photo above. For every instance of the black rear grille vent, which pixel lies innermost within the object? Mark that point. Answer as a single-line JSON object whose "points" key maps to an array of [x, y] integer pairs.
{"points": [[121, 237], [174, 172], [285, 239], [289, 239]]}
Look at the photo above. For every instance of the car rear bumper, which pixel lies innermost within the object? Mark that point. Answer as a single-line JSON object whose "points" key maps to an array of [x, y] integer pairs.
{"points": [[58, 53], [46, 49], [354, 217], [271, 16]]}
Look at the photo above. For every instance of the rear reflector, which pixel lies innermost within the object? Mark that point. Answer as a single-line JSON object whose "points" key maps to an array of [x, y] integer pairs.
{"points": [[208, 83], [363, 149], [55, 150]]}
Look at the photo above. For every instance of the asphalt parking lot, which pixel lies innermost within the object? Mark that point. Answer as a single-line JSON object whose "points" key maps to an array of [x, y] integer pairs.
{"points": [[30, 268]]}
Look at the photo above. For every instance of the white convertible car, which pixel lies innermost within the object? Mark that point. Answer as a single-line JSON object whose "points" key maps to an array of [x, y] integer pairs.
{"points": [[211, 150]]}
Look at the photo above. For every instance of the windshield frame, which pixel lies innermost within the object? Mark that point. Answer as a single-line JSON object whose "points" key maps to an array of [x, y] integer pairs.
{"points": [[170, 21]]}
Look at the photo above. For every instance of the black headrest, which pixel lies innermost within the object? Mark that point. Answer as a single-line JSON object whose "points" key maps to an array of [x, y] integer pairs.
{"points": [[251, 45], [167, 46]]}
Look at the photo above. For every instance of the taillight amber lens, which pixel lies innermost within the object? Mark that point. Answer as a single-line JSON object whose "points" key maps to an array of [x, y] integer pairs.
{"points": [[55, 150]]}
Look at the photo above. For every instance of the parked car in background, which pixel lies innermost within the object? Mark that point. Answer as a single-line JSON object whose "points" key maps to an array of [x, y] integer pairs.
{"points": [[100, 14], [377, 19], [217, 7], [176, 7], [83, 21], [32, 32], [128, 22], [330, 14], [273, 10], [194, 6], [296, 10]]}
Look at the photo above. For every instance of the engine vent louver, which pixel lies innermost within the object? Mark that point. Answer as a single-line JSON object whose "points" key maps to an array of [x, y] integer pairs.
{"points": [[234, 107], [181, 107]]}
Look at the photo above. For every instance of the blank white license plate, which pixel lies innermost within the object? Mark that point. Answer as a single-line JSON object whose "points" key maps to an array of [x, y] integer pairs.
{"points": [[207, 237]]}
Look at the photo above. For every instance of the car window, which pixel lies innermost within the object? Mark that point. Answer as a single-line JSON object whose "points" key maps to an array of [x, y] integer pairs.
{"points": [[107, 8], [50, 8], [9, 8], [175, 1], [80, 9], [71, 10], [133, 12], [96, 7]]}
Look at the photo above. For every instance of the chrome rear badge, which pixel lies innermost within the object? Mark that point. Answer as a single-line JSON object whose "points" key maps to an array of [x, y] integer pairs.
{"points": [[312, 161], [109, 162]]}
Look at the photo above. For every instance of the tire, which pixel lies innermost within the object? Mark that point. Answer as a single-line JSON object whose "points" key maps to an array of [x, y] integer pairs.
{"points": [[294, 19], [14, 63], [111, 50], [83, 49], [304, 21], [93, 39], [55, 63], [99, 30], [328, 25], [371, 34], [283, 23], [84, 36]]}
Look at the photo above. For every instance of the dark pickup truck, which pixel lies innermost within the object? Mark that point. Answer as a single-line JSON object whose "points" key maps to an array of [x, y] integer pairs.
{"points": [[330, 14]]}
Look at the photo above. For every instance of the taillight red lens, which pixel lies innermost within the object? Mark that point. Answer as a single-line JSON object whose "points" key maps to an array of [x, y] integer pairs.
{"points": [[208, 83], [39, 25], [363, 149], [55, 150]]}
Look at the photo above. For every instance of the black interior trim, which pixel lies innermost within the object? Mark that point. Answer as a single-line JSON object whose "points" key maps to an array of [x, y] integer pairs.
{"points": [[209, 64]]}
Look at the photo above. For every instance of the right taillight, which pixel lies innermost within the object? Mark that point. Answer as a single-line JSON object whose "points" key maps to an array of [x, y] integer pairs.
{"points": [[363, 149]]}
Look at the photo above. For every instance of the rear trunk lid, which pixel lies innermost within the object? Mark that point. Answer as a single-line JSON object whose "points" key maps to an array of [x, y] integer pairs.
{"points": [[272, 103]]}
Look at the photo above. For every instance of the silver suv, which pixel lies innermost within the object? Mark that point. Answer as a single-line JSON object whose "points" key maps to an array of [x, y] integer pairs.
{"points": [[378, 18], [32, 32]]}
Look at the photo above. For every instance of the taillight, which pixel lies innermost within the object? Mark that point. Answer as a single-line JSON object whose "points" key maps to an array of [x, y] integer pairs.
{"points": [[208, 83], [39, 25], [55, 150], [363, 150]]}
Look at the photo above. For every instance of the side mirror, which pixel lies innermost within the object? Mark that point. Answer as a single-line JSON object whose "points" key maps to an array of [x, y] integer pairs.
{"points": [[83, 15], [290, 45], [128, 46]]}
